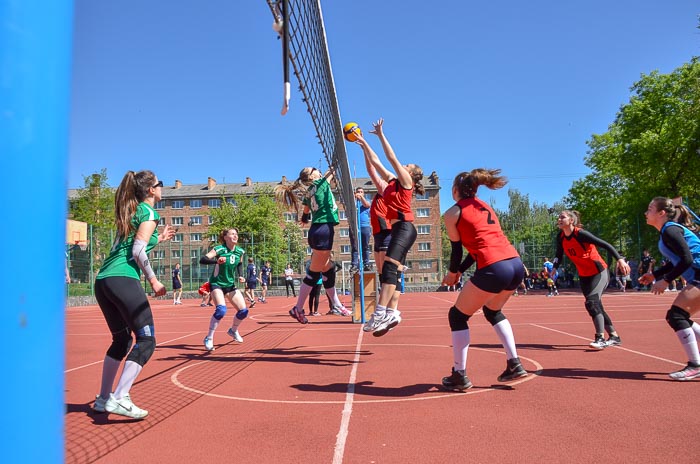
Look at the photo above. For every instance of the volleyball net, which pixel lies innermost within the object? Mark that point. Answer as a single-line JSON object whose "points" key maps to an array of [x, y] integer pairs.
{"points": [[305, 46]]}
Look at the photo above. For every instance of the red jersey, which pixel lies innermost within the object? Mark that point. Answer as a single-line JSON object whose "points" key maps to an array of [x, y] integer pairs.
{"points": [[377, 215], [481, 234], [583, 254], [205, 288], [398, 201]]}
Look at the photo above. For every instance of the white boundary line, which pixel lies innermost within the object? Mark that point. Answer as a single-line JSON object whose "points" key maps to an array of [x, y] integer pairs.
{"points": [[342, 436], [102, 360], [618, 347]]}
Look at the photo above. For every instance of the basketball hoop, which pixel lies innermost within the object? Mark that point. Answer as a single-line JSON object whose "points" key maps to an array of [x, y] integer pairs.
{"points": [[83, 245]]}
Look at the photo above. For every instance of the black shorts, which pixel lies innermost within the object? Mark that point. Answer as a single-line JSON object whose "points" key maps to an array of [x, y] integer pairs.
{"points": [[403, 236], [382, 240], [321, 236], [252, 284], [499, 276], [224, 289], [176, 285]]}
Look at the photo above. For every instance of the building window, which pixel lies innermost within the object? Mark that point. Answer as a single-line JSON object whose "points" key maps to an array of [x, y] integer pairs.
{"points": [[423, 229], [342, 215], [177, 238], [195, 220], [178, 204], [159, 204], [305, 233], [213, 238], [195, 203], [344, 249], [214, 203], [290, 217], [231, 201], [158, 254], [423, 212], [423, 246], [161, 221], [194, 254], [177, 220], [175, 254], [195, 237], [425, 265], [422, 196], [211, 220], [308, 251], [344, 232]]}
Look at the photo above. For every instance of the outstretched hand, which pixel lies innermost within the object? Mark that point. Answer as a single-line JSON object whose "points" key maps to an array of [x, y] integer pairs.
{"points": [[378, 127]]}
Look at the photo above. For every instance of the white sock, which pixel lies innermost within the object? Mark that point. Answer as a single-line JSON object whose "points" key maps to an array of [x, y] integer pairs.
{"points": [[460, 347], [213, 324], [690, 344], [236, 322], [333, 295], [110, 366], [380, 311], [304, 291], [505, 334], [696, 329], [129, 374]]}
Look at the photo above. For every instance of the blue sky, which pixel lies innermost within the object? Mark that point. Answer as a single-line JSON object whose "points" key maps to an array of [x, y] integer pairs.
{"points": [[192, 89]]}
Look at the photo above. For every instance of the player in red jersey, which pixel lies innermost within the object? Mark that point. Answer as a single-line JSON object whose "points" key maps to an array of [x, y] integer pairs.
{"points": [[472, 224], [397, 196], [580, 247]]}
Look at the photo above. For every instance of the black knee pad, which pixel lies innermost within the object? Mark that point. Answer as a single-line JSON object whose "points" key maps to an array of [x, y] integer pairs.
{"points": [[390, 273], [143, 350], [458, 320], [329, 277], [311, 278], [593, 307], [121, 344], [494, 317], [678, 318]]}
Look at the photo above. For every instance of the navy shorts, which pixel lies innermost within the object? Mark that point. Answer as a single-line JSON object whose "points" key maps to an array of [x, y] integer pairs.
{"points": [[499, 276], [252, 284], [321, 237], [381, 240]]}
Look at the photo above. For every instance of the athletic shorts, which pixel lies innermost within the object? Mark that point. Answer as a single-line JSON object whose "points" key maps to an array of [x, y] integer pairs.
{"points": [[403, 236], [265, 283], [499, 276], [252, 284], [224, 289], [176, 285], [321, 236], [381, 240]]}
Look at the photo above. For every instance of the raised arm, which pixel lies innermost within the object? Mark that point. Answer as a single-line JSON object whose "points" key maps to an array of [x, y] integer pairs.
{"points": [[401, 172], [373, 158], [376, 178]]}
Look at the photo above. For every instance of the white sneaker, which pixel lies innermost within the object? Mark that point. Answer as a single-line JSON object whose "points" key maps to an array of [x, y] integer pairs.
{"points": [[235, 335], [374, 322], [99, 405], [208, 344], [124, 407], [391, 320]]}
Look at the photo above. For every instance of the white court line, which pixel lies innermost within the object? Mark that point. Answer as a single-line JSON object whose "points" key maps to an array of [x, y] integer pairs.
{"points": [[342, 436], [102, 360], [618, 347]]}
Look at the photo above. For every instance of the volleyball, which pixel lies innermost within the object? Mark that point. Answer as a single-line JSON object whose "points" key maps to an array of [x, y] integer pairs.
{"points": [[349, 131]]}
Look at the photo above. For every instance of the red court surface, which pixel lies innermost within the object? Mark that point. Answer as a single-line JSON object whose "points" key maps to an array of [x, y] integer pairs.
{"points": [[327, 393]]}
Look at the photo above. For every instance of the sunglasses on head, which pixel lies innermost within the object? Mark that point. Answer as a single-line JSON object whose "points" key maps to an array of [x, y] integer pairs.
{"points": [[159, 184]]}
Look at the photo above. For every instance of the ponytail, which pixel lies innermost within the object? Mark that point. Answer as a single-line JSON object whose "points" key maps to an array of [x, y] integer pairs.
{"points": [[132, 190], [467, 183]]}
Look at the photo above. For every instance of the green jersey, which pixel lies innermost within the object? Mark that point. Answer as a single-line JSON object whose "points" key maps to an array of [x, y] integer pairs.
{"points": [[321, 202], [120, 262], [224, 275]]}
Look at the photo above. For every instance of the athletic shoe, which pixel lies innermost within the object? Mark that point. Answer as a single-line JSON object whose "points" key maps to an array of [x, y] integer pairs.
{"points": [[203, 305], [513, 371], [687, 373], [210, 304], [235, 335], [124, 407], [457, 381], [373, 323], [354, 269], [334, 312], [342, 311], [99, 405], [391, 320], [613, 340], [556, 292], [298, 314], [599, 343], [209, 344], [549, 295], [252, 303]]}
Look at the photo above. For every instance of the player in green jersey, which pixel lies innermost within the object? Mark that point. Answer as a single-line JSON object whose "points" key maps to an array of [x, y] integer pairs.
{"points": [[119, 292], [227, 258], [319, 206]]}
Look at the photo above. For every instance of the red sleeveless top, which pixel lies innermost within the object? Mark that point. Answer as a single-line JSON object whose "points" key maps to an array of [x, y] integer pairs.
{"points": [[377, 215], [398, 202], [481, 234]]}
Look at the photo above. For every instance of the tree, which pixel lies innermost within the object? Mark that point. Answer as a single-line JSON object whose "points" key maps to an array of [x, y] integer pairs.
{"points": [[94, 204], [651, 149]]}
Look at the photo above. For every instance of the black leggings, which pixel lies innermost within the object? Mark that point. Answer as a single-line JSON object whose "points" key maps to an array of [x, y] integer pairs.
{"points": [[314, 296], [290, 284]]}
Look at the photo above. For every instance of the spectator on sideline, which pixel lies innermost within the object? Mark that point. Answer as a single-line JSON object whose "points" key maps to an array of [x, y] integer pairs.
{"points": [[289, 279], [365, 231], [205, 292], [177, 285], [265, 280], [251, 282]]}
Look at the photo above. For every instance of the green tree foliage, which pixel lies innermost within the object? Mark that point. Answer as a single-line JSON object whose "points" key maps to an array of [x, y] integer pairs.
{"points": [[258, 219], [94, 204], [651, 149]]}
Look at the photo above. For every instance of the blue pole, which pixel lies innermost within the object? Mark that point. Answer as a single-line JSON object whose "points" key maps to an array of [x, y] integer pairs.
{"points": [[360, 264], [35, 65]]}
